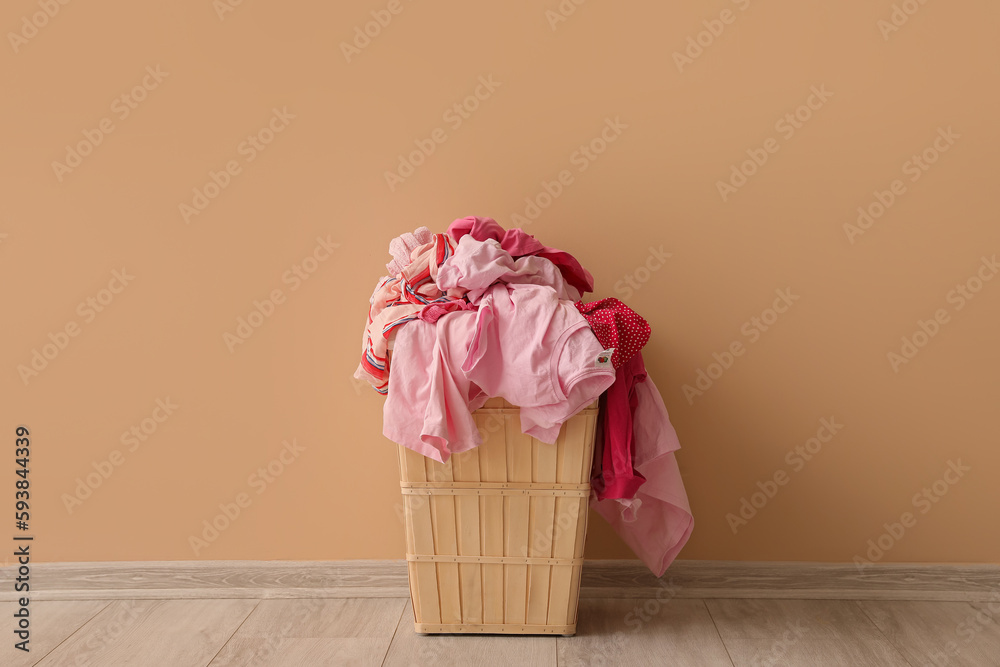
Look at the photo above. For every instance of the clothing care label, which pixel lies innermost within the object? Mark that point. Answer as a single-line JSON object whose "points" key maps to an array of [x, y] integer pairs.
{"points": [[604, 358]]}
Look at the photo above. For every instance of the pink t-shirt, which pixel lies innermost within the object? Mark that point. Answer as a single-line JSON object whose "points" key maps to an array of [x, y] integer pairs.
{"points": [[538, 352], [523, 344]]}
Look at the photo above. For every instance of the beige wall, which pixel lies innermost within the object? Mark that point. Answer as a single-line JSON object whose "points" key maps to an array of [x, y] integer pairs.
{"points": [[66, 231]]}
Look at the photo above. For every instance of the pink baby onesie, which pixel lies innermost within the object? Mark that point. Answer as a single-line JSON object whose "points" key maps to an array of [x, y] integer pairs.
{"points": [[538, 352]]}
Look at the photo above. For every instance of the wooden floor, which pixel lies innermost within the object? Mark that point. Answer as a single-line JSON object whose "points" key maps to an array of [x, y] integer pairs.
{"points": [[611, 631]]}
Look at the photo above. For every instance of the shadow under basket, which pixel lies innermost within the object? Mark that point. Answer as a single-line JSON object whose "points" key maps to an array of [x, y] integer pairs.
{"points": [[494, 537]]}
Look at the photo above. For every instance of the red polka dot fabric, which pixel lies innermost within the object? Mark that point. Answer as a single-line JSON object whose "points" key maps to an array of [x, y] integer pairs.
{"points": [[616, 325]]}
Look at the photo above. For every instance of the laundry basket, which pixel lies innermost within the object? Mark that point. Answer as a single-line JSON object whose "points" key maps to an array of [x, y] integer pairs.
{"points": [[494, 537]]}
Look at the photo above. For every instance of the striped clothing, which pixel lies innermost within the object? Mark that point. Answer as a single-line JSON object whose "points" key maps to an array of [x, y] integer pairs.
{"points": [[397, 301]]}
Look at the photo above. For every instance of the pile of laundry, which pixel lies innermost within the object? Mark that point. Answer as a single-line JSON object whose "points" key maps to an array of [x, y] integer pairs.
{"points": [[481, 312]]}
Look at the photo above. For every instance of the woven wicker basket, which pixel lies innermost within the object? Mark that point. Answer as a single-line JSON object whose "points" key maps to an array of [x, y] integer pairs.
{"points": [[494, 537]]}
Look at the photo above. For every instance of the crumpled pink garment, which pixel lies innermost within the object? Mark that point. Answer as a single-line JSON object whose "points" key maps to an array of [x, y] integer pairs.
{"points": [[429, 407], [476, 265], [523, 344], [537, 352], [660, 524], [401, 248], [520, 243], [397, 301]]}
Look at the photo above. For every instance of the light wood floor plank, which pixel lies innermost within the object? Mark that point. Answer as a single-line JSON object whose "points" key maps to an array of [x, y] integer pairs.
{"points": [[314, 632], [51, 623], [643, 632], [957, 634], [632, 632], [129, 633], [409, 649], [818, 633]]}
